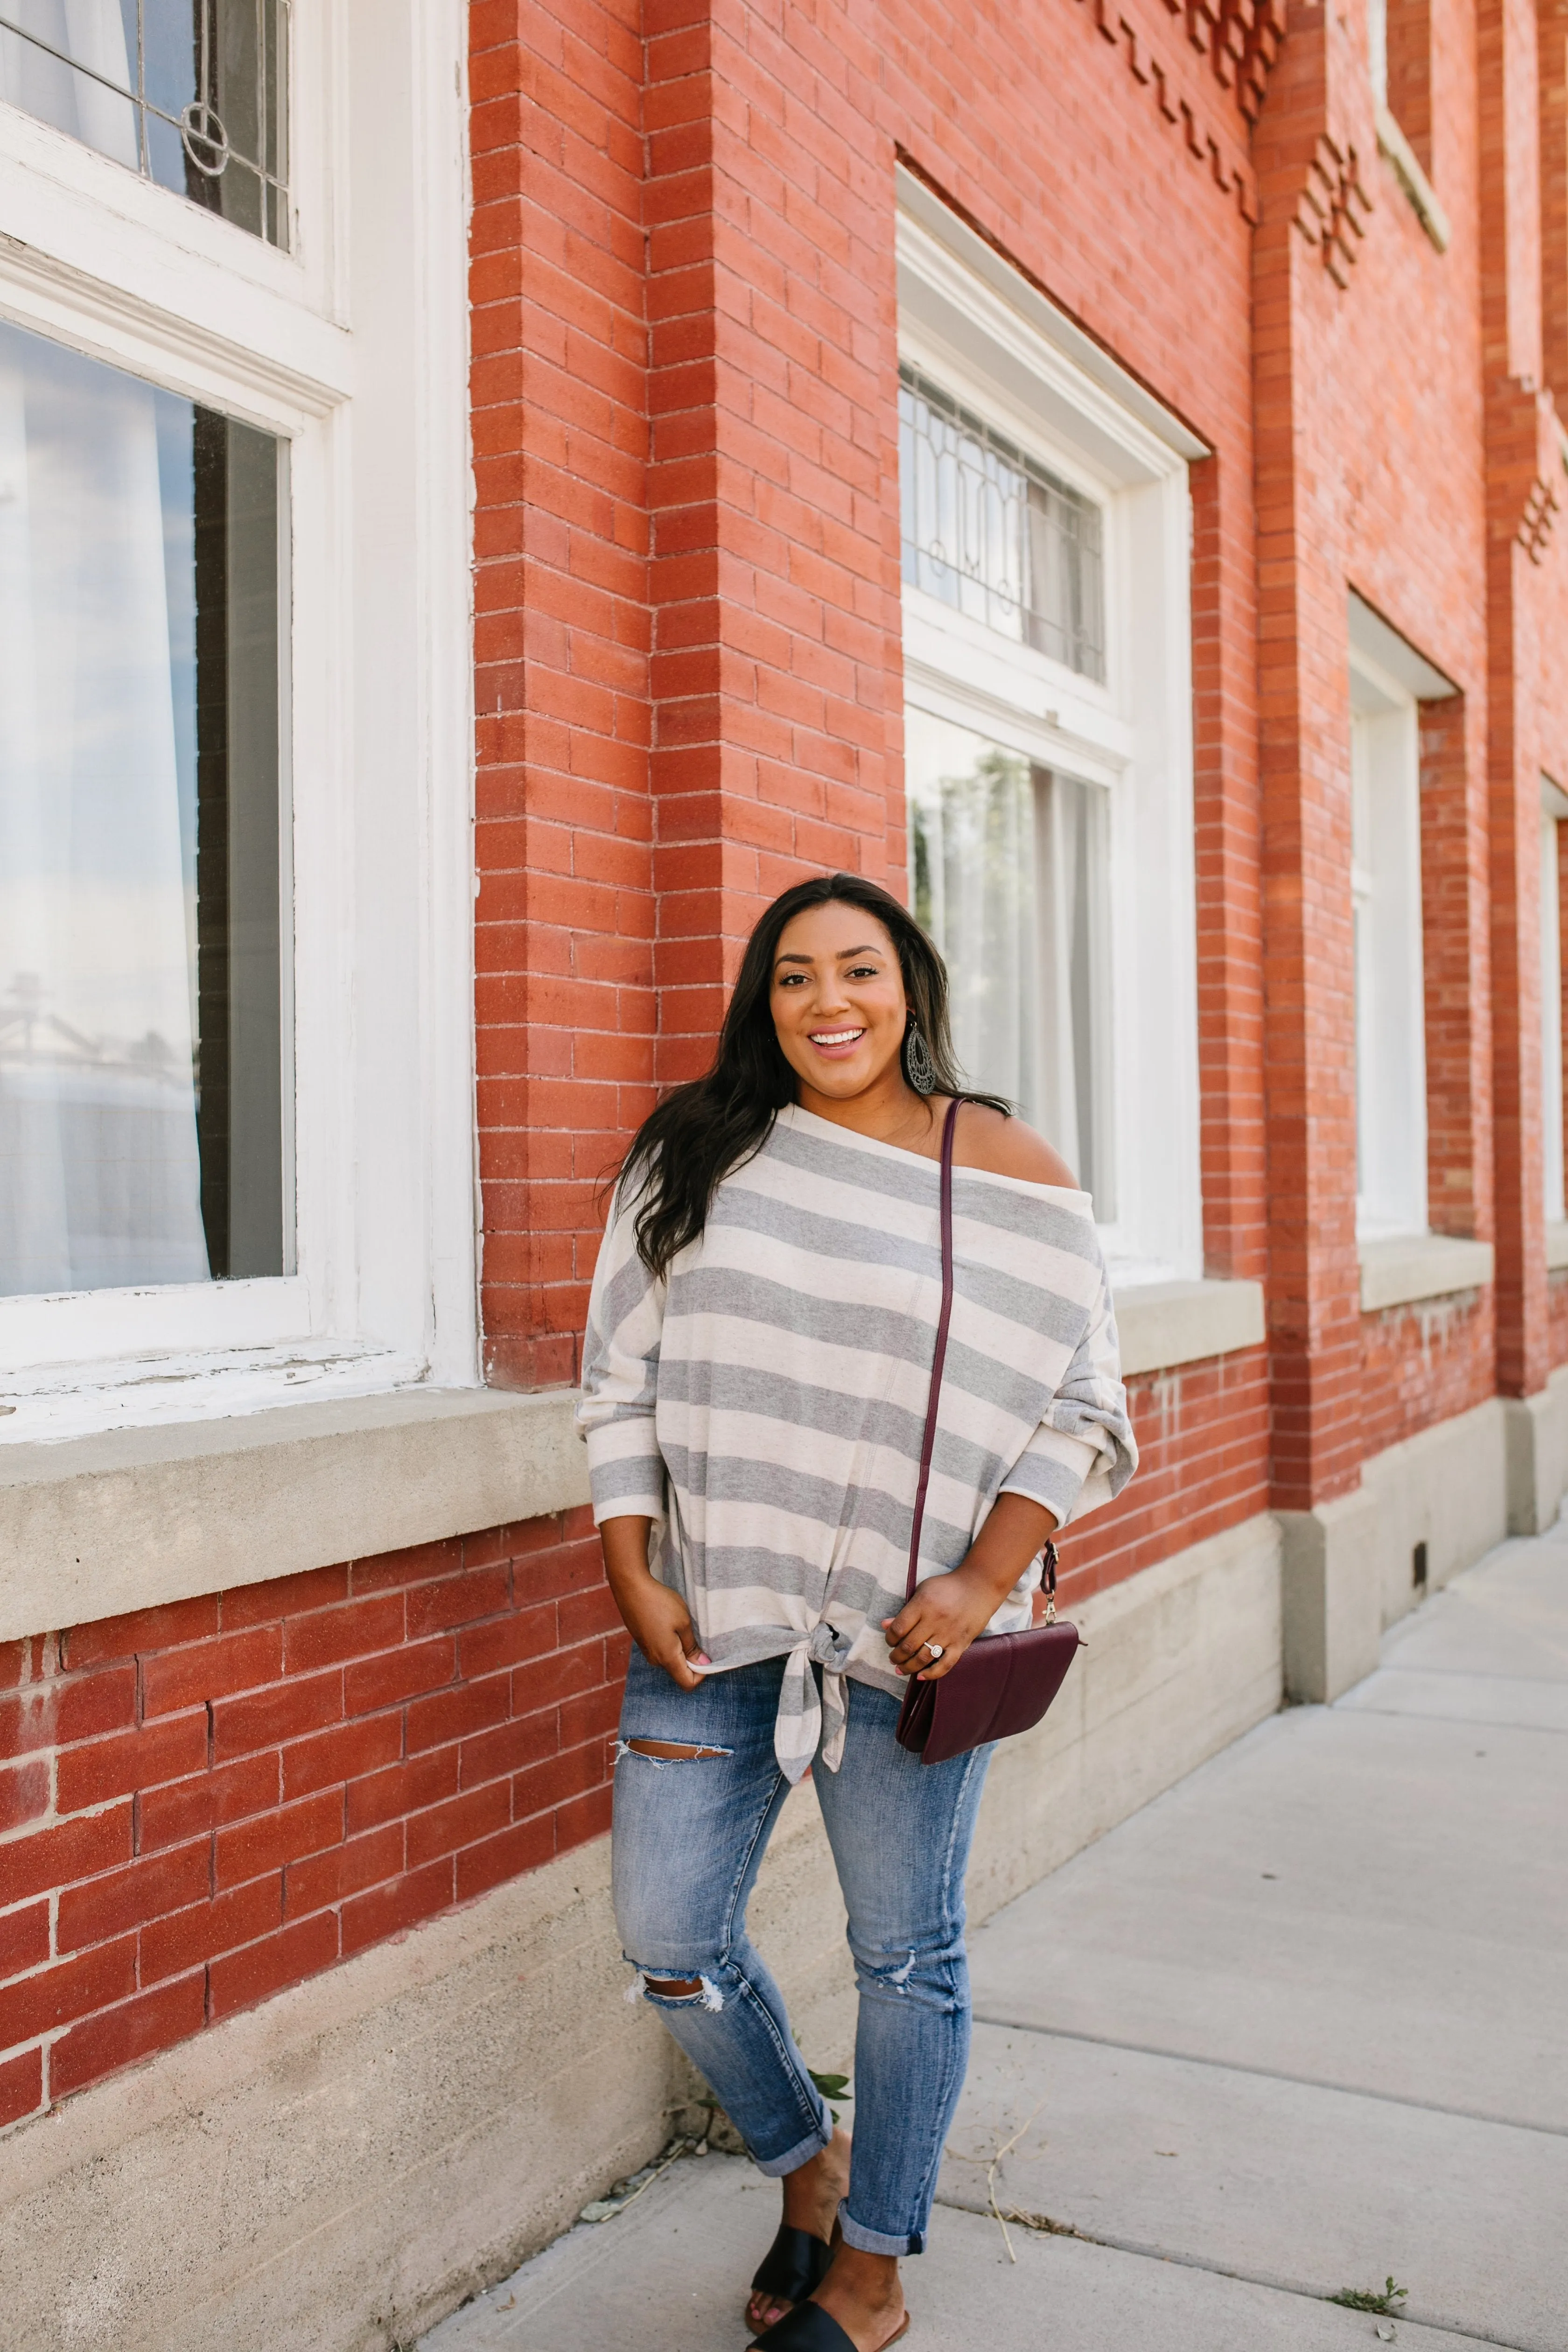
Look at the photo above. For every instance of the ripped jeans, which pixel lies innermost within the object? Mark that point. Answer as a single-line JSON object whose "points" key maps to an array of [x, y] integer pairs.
{"points": [[689, 1835]]}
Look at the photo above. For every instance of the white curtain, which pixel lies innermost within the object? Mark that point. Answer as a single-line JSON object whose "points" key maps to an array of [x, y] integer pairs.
{"points": [[96, 33], [1009, 874], [972, 814], [100, 1180], [1075, 1079]]}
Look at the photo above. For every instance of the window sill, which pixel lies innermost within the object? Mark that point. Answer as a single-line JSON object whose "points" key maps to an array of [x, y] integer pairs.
{"points": [[1556, 1247], [1396, 1272], [1163, 1324], [129, 1518], [1396, 148]]}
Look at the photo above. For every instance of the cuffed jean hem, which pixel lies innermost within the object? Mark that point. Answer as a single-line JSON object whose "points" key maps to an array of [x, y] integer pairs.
{"points": [[775, 2166], [878, 2241]]}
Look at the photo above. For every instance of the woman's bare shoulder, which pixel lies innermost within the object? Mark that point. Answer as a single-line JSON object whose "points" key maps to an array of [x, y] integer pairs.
{"points": [[1006, 1146]]}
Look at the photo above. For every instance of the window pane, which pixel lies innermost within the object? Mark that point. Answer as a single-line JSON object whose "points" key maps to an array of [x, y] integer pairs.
{"points": [[142, 1069], [1009, 876], [994, 534], [190, 92], [93, 98]]}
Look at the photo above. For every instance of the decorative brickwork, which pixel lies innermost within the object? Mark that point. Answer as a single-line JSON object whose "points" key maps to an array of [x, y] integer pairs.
{"points": [[1334, 207], [1227, 164], [1541, 504]]}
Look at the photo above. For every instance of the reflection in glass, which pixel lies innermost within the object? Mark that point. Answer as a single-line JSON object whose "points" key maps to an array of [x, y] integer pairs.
{"points": [[1009, 876], [142, 1067], [191, 93], [992, 533]]}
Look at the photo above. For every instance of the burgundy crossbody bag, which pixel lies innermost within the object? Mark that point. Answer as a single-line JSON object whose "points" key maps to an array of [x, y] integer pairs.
{"points": [[1003, 1682]]}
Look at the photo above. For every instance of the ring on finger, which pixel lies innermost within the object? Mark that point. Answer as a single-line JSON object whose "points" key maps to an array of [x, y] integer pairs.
{"points": [[936, 1650]]}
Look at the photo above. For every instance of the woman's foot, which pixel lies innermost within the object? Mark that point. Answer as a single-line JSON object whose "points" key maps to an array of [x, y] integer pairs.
{"points": [[865, 2294], [811, 2199]]}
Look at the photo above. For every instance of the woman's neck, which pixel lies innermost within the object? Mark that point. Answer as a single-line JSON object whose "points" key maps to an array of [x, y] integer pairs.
{"points": [[888, 1111]]}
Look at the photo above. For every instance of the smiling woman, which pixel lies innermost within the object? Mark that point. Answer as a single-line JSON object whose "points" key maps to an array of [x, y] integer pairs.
{"points": [[758, 1374]]}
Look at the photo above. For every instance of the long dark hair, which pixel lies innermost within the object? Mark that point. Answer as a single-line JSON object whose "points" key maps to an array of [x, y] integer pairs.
{"points": [[684, 1150]]}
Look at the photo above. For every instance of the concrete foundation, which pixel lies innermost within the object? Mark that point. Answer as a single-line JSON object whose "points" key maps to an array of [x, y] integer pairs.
{"points": [[1537, 1456], [1331, 1596], [1434, 1504], [336, 2170]]}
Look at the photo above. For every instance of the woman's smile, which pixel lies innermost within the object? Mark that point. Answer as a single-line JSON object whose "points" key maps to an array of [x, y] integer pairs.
{"points": [[835, 1043]]}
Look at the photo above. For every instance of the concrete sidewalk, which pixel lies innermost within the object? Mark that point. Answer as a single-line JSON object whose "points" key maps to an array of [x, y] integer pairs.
{"points": [[1298, 2026]]}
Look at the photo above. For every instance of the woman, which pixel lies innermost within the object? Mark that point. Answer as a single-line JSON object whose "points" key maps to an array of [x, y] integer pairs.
{"points": [[755, 1381]]}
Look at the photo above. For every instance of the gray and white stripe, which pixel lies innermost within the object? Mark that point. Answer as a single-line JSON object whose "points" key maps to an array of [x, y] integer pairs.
{"points": [[765, 1406]]}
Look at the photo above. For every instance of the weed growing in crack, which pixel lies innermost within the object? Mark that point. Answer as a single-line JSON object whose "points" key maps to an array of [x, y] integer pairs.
{"points": [[1355, 2298]]}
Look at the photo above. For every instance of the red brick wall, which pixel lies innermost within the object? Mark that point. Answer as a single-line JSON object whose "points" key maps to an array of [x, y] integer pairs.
{"points": [[202, 1803], [1424, 1362], [1203, 1446]]}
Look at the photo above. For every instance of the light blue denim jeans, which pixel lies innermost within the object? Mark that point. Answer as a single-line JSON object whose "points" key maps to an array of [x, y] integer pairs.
{"points": [[689, 1836]]}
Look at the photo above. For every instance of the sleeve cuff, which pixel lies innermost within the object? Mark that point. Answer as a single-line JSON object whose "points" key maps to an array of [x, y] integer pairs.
{"points": [[1052, 1470], [626, 1470]]}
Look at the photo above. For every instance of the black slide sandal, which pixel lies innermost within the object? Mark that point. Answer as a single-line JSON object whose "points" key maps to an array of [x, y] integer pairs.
{"points": [[794, 2265], [810, 2328]]}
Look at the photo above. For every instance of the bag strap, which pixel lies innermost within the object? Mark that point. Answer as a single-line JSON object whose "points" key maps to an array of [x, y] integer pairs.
{"points": [[949, 1132], [939, 1357]]}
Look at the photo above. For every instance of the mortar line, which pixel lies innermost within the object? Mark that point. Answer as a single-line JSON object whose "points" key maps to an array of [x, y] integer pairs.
{"points": [[1269, 2075], [1145, 2252]]}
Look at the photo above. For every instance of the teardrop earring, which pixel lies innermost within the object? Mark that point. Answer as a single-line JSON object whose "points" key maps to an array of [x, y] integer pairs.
{"points": [[919, 1067]]}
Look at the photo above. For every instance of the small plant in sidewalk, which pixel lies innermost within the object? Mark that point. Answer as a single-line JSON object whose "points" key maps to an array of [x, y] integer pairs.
{"points": [[1355, 2298], [832, 2086]]}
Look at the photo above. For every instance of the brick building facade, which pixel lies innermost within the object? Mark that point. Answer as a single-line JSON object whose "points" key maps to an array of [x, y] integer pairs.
{"points": [[707, 443]]}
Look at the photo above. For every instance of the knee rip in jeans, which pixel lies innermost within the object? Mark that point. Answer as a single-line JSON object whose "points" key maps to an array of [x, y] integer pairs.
{"points": [[699, 1992], [671, 1751], [933, 1986]]}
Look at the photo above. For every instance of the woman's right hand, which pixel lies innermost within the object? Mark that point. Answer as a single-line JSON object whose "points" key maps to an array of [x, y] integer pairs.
{"points": [[654, 1614]]}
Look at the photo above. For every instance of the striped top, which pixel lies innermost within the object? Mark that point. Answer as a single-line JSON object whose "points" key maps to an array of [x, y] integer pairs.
{"points": [[764, 1404]]}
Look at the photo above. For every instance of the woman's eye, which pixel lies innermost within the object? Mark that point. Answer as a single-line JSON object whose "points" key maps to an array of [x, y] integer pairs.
{"points": [[864, 972]]}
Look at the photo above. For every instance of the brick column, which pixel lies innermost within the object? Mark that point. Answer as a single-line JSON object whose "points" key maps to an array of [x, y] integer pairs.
{"points": [[1517, 469], [1313, 205], [1307, 951], [1227, 817], [565, 915], [773, 503]]}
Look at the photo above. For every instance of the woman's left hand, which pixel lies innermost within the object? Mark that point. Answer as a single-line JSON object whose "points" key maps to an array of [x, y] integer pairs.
{"points": [[953, 1609]]}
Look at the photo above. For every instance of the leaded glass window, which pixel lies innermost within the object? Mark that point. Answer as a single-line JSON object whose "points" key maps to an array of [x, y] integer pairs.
{"points": [[989, 530], [190, 93]]}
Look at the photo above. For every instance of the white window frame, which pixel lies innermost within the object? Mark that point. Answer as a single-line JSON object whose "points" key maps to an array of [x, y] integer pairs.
{"points": [[1390, 994], [1553, 811], [353, 348], [981, 332]]}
